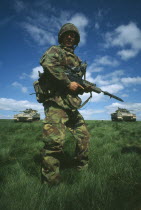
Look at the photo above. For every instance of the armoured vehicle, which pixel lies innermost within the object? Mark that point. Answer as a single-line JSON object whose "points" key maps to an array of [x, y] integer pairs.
{"points": [[27, 115], [123, 115]]}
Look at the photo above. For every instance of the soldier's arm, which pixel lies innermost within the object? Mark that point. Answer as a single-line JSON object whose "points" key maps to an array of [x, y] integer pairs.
{"points": [[52, 63]]}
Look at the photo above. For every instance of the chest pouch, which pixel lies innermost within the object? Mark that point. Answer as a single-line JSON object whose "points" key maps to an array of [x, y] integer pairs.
{"points": [[41, 89]]}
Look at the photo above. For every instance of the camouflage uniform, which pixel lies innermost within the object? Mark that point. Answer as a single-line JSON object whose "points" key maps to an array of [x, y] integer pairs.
{"points": [[61, 113]]}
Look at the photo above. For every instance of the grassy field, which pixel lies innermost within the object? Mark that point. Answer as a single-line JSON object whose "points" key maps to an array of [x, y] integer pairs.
{"points": [[113, 181]]}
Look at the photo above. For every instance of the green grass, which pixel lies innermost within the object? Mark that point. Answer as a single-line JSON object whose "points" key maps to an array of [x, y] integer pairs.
{"points": [[113, 181]]}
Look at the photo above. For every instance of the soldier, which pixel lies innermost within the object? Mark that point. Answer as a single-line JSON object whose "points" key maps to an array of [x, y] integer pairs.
{"points": [[61, 106]]}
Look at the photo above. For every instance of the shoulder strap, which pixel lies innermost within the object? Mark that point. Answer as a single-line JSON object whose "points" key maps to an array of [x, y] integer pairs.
{"points": [[86, 101]]}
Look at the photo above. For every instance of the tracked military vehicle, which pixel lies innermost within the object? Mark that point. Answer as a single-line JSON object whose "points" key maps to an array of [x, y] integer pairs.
{"points": [[27, 115], [123, 115]]}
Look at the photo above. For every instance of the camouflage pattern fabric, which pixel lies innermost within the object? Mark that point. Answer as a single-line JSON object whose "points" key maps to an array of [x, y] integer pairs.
{"points": [[61, 113], [54, 62], [55, 124]]}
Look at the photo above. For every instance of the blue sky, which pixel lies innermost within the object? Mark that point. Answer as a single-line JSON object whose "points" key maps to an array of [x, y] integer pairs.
{"points": [[110, 43]]}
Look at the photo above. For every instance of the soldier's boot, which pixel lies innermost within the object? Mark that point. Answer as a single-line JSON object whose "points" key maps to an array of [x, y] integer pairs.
{"points": [[50, 170], [81, 164]]}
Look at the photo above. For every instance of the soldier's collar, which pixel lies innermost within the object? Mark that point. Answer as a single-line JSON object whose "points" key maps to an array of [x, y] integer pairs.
{"points": [[67, 48]]}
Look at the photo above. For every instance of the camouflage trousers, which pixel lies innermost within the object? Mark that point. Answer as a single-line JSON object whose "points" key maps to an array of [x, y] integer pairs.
{"points": [[55, 124]]}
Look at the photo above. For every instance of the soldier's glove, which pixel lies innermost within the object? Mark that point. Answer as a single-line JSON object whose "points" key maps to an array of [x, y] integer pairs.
{"points": [[74, 86]]}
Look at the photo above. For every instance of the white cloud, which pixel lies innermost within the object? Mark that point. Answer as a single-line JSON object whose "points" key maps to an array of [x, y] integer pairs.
{"points": [[124, 95], [8, 104], [95, 97], [99, 16], [127, 37], [12, 104], [2, 116], [114, 88], [94, 68], [19, 5], [127, 54], [23, 76], [110, 82], [18, 85], [115, 77], [97, 26], [89, 114], [100, 63], [81, 22], [44, 27], [101, 80], [35, 74], [131, 80], [107, 61], [89, 76], [39, 35], [109, 79], [116, 73]]}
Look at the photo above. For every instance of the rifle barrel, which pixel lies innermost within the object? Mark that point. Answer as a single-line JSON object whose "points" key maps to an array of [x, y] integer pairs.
{"points": [[112, 96]]}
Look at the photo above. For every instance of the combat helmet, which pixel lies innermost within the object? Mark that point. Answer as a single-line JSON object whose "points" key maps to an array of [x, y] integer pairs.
{"points": [[68, 27]]}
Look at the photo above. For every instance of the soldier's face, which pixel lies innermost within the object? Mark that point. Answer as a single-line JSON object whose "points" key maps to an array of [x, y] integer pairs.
{"points": [[69, 39]]}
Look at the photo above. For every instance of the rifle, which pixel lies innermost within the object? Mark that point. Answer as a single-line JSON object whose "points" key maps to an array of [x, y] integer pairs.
{"points": [[75, 75]]}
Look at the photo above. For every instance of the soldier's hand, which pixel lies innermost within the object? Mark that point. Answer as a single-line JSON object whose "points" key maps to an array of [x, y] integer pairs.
{"points": [[73, 86]]}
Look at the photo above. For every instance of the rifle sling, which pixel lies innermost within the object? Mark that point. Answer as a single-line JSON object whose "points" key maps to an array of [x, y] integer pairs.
{"points": [[86, 101]]}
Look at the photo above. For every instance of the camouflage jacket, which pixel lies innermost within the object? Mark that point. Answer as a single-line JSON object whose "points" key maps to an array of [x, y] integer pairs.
{"points": [[54, 62]]}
